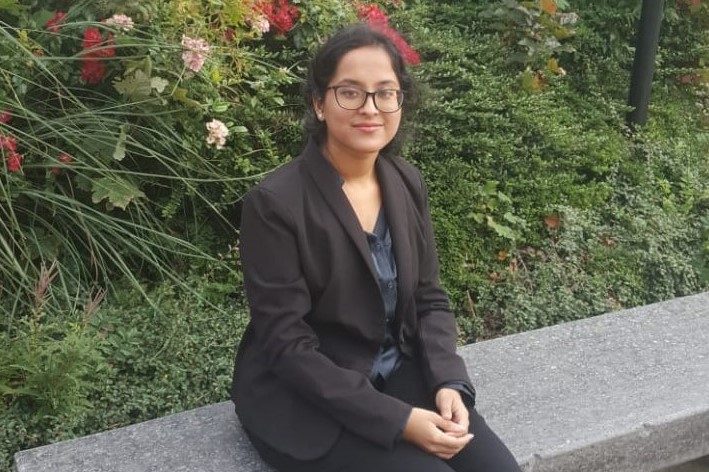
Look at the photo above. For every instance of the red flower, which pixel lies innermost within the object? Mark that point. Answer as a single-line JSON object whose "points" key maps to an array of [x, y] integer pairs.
{"points": [[14, 162], [377, 20], [95, 47], [8, 143], [92, 71], [53, 23], [108, 49], [281, 15], [372, 14], [64, 158], [5, 117], [407, 52], [92, 38]]}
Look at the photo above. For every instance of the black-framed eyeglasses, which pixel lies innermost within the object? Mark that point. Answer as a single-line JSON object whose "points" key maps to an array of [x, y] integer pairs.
{"points": [[350, 97]]}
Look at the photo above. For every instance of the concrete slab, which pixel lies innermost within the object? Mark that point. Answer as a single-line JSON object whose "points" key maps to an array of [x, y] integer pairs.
{"points": [[207, 439], [625, 391], [700, 465], [622, 392]]}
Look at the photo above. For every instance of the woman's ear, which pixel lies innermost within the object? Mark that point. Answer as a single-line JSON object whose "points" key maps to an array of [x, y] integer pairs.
{"points": [[317, 108]]}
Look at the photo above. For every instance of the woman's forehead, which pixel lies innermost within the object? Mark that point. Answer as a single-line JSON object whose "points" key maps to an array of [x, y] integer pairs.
{"points": [[368, 65]]}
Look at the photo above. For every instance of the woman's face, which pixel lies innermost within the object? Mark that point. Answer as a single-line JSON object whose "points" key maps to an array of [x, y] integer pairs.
{"points": [[363, 132]]}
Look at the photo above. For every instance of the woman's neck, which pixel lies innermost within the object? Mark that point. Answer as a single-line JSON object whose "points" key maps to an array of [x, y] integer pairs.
{"points": [[353, 170]]}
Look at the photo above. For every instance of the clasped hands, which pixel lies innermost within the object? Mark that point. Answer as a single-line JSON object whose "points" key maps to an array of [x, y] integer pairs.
{"points": [[444, 434]]}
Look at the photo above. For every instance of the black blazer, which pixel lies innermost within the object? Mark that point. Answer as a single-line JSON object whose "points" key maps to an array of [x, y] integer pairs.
{"points": [[317, 316]]}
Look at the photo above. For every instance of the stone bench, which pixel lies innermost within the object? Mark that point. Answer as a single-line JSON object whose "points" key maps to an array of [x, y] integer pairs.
{"points": [[625, 391]]}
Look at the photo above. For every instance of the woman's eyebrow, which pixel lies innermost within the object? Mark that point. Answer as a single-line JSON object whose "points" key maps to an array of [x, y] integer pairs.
{"points": [[360, 84]]}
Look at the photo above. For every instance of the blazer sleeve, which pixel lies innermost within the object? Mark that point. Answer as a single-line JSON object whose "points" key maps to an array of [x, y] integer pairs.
{"points": [[437, 330], [279, 300]]}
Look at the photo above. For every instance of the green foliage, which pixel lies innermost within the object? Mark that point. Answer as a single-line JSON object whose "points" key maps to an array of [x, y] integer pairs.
{"points": [[131, 362], [602, 218], [546, 207], [108, 167], [48, 365], [117, 170], [535, 34]]}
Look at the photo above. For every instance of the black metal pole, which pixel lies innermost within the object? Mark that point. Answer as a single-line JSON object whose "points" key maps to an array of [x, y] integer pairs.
{"points": [[644, 63]]}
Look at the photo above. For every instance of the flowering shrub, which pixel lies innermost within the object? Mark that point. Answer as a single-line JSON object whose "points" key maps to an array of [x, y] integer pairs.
{"points": [[122, 22], [280, 14], [129, 131], [377, 19], [13, 159], [150, 117], [195, 53], [217, 133]]}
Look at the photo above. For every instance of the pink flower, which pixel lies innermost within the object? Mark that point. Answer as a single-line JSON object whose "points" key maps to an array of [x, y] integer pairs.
{"points": [[5, 117], [259, 23], [195, 52], [122, 22], [14, 162], [217, 133], [53, 23]]}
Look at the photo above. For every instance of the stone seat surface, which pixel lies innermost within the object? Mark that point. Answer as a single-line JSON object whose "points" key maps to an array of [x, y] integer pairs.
{"points": [[624, 391]]}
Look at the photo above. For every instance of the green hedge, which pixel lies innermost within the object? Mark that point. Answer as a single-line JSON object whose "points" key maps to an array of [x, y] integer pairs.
{"points": [[546, 206]]}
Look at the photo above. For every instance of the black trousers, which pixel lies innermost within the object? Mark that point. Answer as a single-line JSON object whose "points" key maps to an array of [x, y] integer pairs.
{"points": [[352, 453]]}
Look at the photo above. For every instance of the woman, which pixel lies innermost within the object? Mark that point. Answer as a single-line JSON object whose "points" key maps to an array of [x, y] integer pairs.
{"points": [[348, 362]]}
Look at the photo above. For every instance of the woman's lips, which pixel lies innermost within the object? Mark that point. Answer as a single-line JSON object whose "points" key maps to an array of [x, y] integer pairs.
{"points": [[368, 127]]}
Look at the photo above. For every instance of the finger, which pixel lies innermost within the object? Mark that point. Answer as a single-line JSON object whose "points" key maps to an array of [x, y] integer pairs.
{"points": [[448, 445], [447, 441], [461, 415], [446, 406], [456, 434], [448, 426]]}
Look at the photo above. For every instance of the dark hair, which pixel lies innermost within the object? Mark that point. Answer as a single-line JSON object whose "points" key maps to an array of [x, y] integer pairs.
{"points": [[323, 66]]}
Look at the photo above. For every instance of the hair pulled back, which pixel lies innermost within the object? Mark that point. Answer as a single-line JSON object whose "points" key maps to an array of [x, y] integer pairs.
{"points": [[324, 64]]}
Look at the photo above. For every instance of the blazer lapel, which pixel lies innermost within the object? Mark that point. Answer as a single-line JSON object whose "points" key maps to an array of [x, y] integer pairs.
{"points": [[396, 204], [327, 180]]}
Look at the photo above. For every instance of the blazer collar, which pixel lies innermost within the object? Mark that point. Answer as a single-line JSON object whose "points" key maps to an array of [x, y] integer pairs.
{"points": [[394, 198], [328, 181]]}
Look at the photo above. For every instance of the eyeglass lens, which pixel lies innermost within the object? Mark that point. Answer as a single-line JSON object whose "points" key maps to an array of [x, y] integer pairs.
{"points": [[353, 98]]}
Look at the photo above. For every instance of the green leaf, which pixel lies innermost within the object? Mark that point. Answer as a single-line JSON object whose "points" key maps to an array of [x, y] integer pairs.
{"points": [[99, 142], [490, 187], [180, 94], [220, 107], [10, 6], [501, 230], [119, 192], [159, 84], [136, 86], [120, 151]]}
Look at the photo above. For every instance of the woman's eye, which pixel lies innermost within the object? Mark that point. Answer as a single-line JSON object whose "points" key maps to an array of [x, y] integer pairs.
{"points": [[386, 94], [349, 93]]}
